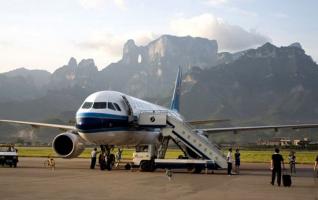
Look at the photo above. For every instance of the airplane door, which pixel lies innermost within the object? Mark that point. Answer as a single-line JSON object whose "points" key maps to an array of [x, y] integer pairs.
{"points": [[130, 110]]}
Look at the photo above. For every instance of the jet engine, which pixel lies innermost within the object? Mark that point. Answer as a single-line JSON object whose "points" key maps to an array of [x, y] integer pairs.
{"points": [[68, 145]]}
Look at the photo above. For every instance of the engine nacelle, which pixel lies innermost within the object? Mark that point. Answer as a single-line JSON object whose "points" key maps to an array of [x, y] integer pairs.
{"points": [[68, 145]]}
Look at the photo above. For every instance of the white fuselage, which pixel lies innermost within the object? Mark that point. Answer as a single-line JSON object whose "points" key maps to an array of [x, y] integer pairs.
{"points": [[105, 118]]}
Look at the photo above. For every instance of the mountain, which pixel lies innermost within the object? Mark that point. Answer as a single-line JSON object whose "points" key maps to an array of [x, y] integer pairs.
{"points": [[23, 84], [258, 86], [149, 71], [72, 75], [40, 78], [267, 84]]}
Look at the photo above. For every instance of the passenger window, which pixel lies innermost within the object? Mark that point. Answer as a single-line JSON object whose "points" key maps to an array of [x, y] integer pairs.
{"points": [[99, 105], [111, 106], [117, 106], [87, 105]]}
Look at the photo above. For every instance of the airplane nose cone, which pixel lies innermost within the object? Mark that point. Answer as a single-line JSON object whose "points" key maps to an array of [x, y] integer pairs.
{"points": [[88, 123]]}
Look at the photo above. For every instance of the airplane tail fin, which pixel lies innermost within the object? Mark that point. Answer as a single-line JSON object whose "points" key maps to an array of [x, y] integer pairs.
{"points": [[175, 101]]}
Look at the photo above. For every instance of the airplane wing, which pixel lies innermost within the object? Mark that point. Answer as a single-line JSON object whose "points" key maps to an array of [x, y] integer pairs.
{"points": [[209, 121], [37, 124], [252, 128]]}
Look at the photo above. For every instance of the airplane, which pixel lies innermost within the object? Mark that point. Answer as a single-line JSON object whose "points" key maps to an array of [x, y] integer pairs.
{"points": [[110, 118]]}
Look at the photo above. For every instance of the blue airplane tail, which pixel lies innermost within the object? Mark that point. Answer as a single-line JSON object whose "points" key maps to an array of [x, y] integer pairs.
{"points": [[175, 101]]}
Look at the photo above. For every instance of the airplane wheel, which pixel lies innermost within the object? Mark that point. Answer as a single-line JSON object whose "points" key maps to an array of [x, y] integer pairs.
{"points": [[151, 166], [197, 170], [127, 166], [147, 166], [110, 162], [112, 159], [143, 166], [108, 166]]}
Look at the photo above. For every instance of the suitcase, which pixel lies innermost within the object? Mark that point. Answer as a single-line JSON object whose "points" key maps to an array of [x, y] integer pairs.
{"points": [[287, 180]]}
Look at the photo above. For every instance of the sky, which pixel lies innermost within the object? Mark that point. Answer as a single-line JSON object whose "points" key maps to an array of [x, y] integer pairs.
{"points": [[43, 34]]}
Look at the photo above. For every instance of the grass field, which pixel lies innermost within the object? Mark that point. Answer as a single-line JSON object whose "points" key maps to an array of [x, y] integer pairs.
{"points": [[263, 156], [45, 151]]}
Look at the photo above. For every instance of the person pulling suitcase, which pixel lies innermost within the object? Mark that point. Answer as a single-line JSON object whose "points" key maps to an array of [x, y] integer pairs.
{"points": [[276, 166]]}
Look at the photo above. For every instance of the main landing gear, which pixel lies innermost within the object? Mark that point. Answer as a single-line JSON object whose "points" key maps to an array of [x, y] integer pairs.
{"points": [[106, 159]]}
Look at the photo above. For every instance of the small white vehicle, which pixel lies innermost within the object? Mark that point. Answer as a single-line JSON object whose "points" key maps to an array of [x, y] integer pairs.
{"points": [[8, 155], [145, 160]]}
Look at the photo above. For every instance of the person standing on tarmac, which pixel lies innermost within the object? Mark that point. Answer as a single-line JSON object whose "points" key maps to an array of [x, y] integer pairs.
{"points": [[229, 162], [292, 162], [276, 163], [102, 161], [237, 156], [93, 158]]}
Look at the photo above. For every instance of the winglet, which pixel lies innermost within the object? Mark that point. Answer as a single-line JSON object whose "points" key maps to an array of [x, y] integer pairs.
{"points": [[175, 101]]}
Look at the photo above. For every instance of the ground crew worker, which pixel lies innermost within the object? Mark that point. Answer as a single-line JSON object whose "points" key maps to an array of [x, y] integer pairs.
{"points": [[237, 156], [93, 158], [229, 162]]}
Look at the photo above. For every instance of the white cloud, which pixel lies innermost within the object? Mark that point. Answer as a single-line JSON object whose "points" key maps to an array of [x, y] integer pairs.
{"points": [[121, 4], [242, 12], [106, 45], [280, 15], [226, 5], [216, 2], [98, 4], [229, 37], [5, 43], [91, 4], [112, 44]]}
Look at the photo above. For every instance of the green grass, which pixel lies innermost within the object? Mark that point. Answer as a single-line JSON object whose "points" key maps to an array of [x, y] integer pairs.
{"points": [[45, 151], [263, 156], [307, 157]]}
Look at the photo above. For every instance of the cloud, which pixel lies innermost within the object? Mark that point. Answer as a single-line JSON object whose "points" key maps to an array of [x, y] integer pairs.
{"points": [[280, 15], [107, 44], [98, 4], [5, 43], [112, 44], [91, 4], [121, 4], [227, 5], [229, 37], [215, 2], [242, 12]]}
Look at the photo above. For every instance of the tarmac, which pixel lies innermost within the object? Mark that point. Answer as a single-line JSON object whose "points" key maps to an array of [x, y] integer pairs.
{"points": [[72, 179]]}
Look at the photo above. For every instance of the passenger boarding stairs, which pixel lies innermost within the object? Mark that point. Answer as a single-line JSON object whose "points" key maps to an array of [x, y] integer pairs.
{"points": [[199, 144], [172, 126]]}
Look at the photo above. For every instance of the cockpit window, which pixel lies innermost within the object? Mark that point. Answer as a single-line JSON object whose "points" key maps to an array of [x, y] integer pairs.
{"points": [[99, 105], [117, 106], [111, 106], [87, 105]]}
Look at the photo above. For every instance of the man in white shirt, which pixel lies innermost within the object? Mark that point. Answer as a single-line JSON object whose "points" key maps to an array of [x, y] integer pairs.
{"points": [[93, 158], [229, 162]]}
